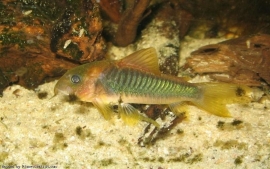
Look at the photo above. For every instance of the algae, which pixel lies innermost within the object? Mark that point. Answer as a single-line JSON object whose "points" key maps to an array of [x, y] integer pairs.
{"points": [[230, 144], [58, 141], [3, 156], [238, 160], [42, 95], [234, 125]]}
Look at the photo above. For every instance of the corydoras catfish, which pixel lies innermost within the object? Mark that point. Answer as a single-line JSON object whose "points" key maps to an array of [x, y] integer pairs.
{"points": [[136, 79]]}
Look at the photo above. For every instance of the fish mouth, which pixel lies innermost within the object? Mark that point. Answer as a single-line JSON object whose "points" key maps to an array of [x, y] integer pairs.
{"points": [[63, 92], [68, 96], [63, 89]]}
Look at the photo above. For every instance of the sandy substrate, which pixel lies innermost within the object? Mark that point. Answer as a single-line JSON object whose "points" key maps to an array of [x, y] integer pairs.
{"points": [[54, 132]]}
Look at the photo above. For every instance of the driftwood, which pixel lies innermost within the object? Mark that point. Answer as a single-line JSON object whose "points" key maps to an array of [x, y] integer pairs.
{"points": [[244, 60], [133, 15], [42, 39]]}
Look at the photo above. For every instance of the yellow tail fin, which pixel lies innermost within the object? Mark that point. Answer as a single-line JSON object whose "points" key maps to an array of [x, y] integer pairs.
{"points": [[215, 96]]}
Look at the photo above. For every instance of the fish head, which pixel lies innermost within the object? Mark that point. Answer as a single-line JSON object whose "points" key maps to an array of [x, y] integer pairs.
{"points": [[80, 81]]}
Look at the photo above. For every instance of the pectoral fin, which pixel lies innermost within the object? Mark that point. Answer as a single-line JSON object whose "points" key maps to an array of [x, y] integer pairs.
{"points": [[131, 116], [103, 108]]}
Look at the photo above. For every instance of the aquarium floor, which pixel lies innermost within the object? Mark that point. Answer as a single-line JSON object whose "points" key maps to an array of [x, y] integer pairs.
{"points": [[53, 132]]}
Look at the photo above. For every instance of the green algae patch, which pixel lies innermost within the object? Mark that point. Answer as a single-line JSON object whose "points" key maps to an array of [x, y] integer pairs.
{"points": [[194, 159], [42, 95], [3, 156], [229, 126], [230, 144], [104, 162], [59, 142], [83, 133], [238, 160], [187, 158]]}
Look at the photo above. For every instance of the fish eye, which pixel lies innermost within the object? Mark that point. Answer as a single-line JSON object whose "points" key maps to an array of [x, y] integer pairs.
{"points": [[75, 79]]}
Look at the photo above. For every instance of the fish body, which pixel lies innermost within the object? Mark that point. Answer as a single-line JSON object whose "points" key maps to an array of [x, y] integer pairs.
{"points": [[135, 86], [137, 79]]}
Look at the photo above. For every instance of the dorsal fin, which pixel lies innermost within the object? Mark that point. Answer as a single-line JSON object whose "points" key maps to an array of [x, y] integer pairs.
{"points": [[145, 60]]}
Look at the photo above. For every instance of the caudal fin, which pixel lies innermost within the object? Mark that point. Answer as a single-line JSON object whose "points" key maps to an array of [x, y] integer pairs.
{"points": [[215, 97]]}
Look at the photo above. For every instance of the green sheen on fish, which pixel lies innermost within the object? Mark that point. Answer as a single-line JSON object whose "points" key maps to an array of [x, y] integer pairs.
{"points": [[135, 83]]}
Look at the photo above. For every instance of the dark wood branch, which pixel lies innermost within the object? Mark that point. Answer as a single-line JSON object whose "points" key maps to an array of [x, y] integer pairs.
{"points": [[127, 29]]}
